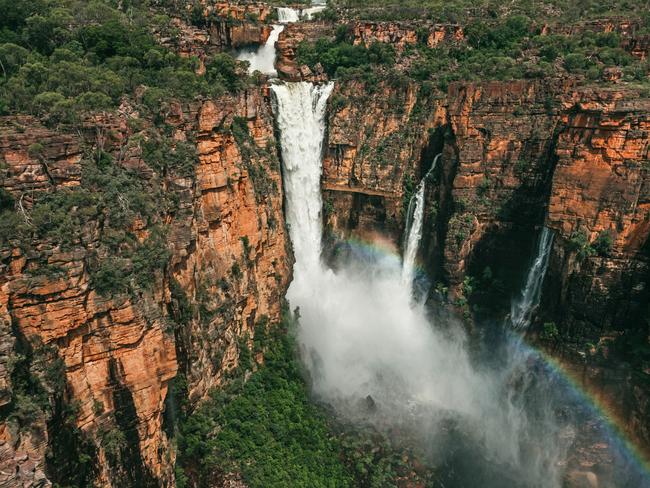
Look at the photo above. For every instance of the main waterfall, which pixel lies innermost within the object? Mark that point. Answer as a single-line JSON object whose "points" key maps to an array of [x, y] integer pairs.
{"points": [[361, 336]]}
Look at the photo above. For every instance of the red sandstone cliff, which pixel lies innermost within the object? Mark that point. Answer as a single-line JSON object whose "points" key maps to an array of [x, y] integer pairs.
{"points": [[229, 253]]}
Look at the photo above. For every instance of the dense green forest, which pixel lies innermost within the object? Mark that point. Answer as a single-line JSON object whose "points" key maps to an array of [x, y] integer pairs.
{"points": [[499, 47], [461, 10], [60, 59]]}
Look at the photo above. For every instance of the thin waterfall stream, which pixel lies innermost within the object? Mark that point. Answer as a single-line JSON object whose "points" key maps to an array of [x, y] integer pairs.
{"points": [[413, 229], [522, 309]]}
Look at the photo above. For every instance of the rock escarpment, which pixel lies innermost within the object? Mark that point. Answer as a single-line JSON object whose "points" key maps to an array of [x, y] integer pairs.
{"points": [[100, 365], [215, 27], [377, 149]]}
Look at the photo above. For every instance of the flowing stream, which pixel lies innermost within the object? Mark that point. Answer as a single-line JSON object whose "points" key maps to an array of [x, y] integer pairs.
{"points": [[287, 15], [522, 309]]}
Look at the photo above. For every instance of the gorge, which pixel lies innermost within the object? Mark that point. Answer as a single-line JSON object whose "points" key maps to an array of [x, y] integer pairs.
{"points": [[254, 245]]}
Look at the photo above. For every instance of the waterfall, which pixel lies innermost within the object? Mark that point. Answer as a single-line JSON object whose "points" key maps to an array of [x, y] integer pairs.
{"points": [[300, 113], [308, 13], [361, 334], [413, 230], [288, 15], [263, 59], [522, 309]]}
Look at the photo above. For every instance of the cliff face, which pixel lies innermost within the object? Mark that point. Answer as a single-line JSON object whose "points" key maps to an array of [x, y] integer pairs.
{"points": [[233, 255], [401, 34], [222, 26], [59, 317], [496, 172], [601, 191], [516, 156], [378, 148], [101, 366], [287, 45]]}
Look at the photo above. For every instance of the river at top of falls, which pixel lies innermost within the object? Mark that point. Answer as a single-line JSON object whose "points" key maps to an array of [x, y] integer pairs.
{"points": [[287, 15], [262, 59], [496, 420]]}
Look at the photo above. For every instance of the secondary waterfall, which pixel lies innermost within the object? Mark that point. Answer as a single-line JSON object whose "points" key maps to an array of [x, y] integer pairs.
{"points": [[413, 230], [308, 13], [522, 309], [362, 336], [288, 15], [263, 59]]}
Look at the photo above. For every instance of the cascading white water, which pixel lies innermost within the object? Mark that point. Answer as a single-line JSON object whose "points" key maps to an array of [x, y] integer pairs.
{"points": [[263, 59], [308, 13], [522, 309], [300, 112], [361, 334], [288, 15], [414, 222]]}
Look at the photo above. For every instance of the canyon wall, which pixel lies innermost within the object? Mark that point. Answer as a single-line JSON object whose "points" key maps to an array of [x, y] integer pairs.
{"points": [[377, 150], [84, 373], [215, 27]]}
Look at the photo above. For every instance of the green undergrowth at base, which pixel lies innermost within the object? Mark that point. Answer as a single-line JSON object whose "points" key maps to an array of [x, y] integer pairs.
{"points": [[268, 431]]}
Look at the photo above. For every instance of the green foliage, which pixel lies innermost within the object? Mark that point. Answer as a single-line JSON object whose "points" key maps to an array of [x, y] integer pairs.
{"points": [[579, 243], [6, 200], [37, 379], [268, 430], [560, 11], [60, 60], [341, 54], [549, 332], [510, 47], [182, 309], [165, 156], [603, 243], [504, 35], [256, 159], [113, 441]]}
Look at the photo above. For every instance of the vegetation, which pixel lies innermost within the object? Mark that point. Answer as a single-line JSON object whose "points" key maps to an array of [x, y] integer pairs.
{"points": [[501, 43], [340, 54], [579, 243], [267, 429], [61, 59], [270, 431], [549, 332], [458, 10]]}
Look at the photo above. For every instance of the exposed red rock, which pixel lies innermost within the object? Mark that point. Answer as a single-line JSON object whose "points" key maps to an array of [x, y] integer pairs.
{"points": [[117, 343]]}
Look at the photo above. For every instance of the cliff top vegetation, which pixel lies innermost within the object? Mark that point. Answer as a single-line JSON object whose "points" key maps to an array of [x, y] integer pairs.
{"points": [[460, 10]]}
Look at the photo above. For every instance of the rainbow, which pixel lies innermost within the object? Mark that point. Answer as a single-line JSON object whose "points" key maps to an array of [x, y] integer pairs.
{"points": [[622, 442]]}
